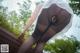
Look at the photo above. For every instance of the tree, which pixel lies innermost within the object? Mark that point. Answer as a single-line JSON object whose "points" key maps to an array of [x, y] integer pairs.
{"points": [[11, 20], [25, 11], [75, 4], [3, 16], [69, 45]]}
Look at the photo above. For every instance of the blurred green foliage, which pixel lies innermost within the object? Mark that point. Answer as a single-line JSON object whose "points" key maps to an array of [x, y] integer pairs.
{"points": [[5, 24], [69, 45], [25, 11], [75, 4], [11, 20]]}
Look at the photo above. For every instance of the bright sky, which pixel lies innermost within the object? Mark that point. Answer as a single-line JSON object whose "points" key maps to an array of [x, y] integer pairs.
{"points": [[12, 4]]}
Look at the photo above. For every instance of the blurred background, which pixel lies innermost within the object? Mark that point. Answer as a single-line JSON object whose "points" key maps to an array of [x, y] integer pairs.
{"points": [[14, 15]]}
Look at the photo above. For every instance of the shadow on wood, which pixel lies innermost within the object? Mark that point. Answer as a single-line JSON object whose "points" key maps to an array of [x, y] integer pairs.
{"points": [[14, 43], [7, 38]]}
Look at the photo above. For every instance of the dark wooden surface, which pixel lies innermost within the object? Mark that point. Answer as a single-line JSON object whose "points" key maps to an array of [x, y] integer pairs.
{"points": [[8, 38], [14, 43]]}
